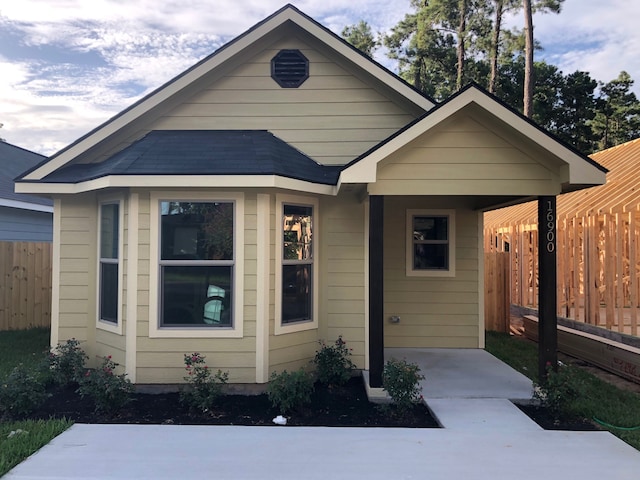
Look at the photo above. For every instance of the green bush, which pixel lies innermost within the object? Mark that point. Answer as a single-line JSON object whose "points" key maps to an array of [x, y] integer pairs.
{"points": [[109, 391], [561, 389], [22, 392], [204, 388], [402, 381], [290, 391], [333, 365], [67, 362]]}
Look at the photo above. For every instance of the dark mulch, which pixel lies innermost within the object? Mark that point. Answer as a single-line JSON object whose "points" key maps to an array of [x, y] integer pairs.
{"points": [[346, 406], [544, 417]]}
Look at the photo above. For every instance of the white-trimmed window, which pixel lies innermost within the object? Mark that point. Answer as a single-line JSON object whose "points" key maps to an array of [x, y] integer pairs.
{"points": [[199, 266], [109, 265], [296, 257], [430, 243]]}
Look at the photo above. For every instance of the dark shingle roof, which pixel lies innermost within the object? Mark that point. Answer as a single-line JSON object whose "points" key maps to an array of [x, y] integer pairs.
{"points": [[13, 162], [204, 152]]}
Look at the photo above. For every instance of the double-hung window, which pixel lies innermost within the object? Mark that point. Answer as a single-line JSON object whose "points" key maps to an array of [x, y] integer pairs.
{"points": [[430, 243], [197, 264], [297, 277], [109, 253]]}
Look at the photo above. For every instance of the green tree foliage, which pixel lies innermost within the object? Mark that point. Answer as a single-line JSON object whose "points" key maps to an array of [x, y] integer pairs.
{"points": [[618, 117], [361, 37]]}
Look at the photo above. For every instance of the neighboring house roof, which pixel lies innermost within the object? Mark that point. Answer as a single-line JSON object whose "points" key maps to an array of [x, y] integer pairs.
{"points": [[583, 171], [13, 162], [105, 136], [620, 193], [204, 152]]}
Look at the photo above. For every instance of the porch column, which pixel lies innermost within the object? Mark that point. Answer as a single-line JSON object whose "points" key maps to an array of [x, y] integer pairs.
{"points": [[547, 286], [376, 290]]}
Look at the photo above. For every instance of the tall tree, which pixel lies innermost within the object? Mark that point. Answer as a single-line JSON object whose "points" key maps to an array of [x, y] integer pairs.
{"points": [[618, 117], [361, 37], [529, 7], [498, 8]]}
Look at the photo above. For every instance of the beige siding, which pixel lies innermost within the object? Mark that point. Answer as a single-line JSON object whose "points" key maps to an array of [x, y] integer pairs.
{"points": [[332, 117], [436, 311], [77, 301], [161, 360], [343, 273], [464, 156]]}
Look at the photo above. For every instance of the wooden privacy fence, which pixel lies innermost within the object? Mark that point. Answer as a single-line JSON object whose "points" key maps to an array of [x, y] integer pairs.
{"points": [[497, 301], [25, 285], [598, 266]]}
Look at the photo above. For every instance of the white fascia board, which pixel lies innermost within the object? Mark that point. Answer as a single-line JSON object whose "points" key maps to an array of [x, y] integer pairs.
{"points": [[34, 207], [179, 181]]}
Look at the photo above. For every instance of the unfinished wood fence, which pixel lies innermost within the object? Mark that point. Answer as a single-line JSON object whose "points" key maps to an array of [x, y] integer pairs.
{"points": [[497, 301], [598, 267], [25, 285]]}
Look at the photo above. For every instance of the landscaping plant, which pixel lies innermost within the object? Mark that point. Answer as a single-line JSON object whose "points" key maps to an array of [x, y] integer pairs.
{"points": [[333, 365], [67, 362], [290, 391], [204, 388], [401, 380], [561, 389], [22, 392], [109, 391]]}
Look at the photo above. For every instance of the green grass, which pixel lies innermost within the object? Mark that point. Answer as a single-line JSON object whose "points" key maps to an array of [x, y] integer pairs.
{"points": [[27, 347], [597, 400]]}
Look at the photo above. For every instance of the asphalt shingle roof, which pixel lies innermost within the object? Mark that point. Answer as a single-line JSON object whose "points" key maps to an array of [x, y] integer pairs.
{"points": [[13, 162], [204, 152]]}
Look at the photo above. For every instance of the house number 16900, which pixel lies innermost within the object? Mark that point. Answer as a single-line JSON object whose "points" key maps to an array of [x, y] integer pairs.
{"points": [[551, 228]]}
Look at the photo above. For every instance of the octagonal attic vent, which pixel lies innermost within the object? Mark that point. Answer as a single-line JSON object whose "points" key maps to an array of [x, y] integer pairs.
{"points": [[289, 68]]}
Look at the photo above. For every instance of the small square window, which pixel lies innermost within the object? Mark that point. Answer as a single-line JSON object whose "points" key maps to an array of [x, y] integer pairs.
{"points": [[430, 243]]}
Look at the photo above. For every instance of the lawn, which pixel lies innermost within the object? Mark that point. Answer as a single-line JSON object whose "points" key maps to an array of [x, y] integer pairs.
{"points": [[27, 347], [610, 407]]}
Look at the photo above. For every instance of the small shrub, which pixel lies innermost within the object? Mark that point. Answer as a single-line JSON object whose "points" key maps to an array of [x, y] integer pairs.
{"points": [[333, 365], [290, 391], [22, 392], [67, 362], [401, 380], [204, 388], [109, 391], [561, 389]]}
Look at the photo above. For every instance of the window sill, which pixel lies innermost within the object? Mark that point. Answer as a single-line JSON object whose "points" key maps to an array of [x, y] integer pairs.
{"points": [[195, 332], [281, 329]]}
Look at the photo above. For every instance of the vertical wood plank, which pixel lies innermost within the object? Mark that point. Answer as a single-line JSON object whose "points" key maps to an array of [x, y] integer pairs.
{"points": [[633, 273]]}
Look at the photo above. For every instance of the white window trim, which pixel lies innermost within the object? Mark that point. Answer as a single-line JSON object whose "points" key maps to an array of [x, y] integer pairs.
{"points": [[237, 330], [451, 234], [104, 324], [281, 200]]}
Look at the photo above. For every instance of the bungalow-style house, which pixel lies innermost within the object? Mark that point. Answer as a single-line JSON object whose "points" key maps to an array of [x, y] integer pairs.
{"points": [[23, 218], [286, 189]]}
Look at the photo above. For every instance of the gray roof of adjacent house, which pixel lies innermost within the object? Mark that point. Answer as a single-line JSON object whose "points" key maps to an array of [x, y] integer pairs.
{"points": [[13, 162], [204, 152]]}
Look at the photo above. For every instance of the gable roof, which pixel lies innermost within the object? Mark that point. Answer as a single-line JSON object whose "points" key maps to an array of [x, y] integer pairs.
{"points": [[13, 161], [204, 152], [286, 15], [583, 171]]}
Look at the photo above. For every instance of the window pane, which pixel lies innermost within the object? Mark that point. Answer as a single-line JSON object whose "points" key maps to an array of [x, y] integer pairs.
{"points": [[297, 232], [296, 293], [197, 231], [109, 230], [109, 292], [431, 256], [196, 296], [430, 228]]}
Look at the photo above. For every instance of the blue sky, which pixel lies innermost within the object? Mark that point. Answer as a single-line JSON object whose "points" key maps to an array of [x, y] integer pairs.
{"points": [[66, 66]]}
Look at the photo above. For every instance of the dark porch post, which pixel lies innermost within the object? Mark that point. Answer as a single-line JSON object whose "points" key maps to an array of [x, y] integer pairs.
{"points": [[376, 290], [547, 281]]}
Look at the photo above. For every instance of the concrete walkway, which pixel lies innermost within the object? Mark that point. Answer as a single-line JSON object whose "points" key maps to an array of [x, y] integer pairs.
{"points": [[484, 437]]}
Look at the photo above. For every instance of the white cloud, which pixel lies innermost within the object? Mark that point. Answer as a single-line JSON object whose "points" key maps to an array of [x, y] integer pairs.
{"points": [[75, 63]]}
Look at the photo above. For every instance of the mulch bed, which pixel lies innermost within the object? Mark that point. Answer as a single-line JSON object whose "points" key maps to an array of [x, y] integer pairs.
{"points": [[543, 417], [345, 406]]}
